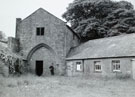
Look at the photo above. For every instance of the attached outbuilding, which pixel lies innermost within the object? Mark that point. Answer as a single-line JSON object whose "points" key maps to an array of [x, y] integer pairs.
{"points": [[108, 57]]}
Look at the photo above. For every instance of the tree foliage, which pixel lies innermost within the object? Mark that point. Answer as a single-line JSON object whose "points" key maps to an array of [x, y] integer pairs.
{"points": [[93, 19]]}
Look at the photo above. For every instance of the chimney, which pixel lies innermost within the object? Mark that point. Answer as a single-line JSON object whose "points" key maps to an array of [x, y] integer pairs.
{"points": [[18, 21], [13, 44]]}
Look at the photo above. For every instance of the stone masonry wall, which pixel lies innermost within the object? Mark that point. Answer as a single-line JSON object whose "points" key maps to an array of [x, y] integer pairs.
{"points": [[106, 68]]}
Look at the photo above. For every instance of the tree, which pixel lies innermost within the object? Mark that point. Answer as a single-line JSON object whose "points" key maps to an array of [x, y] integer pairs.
{"points": [[93, 19]]}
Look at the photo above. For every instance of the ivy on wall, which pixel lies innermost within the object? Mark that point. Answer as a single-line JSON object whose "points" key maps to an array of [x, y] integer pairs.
{"points": [[12, 61]]}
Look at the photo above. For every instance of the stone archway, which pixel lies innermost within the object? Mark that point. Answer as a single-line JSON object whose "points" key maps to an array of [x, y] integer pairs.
{"points": [[41, 52], [38, 47]]}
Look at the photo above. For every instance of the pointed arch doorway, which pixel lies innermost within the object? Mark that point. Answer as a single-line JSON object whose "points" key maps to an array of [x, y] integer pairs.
{"points": [[40, 58]]}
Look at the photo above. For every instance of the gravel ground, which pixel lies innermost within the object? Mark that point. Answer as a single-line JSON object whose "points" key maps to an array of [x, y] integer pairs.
{"points": [[56, 86]]}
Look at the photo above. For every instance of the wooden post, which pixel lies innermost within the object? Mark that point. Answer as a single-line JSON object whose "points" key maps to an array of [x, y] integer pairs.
{"points": [[133, 68]]}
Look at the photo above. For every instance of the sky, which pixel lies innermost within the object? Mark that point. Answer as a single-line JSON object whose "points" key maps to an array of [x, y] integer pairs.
{"points": [[12, 9]]}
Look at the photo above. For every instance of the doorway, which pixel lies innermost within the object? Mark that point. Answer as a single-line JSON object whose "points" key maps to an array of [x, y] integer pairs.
{"points": [[39, 67]]}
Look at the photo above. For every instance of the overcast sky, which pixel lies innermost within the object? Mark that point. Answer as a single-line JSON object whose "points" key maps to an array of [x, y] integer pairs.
{"points": [[12, 9]]}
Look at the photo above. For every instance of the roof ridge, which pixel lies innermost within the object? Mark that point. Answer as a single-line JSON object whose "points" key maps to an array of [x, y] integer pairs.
{"points": [[106, 38]]}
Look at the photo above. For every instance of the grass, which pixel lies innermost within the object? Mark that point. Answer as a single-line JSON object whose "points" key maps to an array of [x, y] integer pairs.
{"points": [[58, 86]]}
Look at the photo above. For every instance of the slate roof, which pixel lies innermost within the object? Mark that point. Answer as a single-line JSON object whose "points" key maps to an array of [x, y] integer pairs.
{"points": [[117, 46], [73, 31]]}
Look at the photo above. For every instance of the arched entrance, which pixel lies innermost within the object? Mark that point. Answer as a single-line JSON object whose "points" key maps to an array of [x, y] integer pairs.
{"points": [[40, 58]]}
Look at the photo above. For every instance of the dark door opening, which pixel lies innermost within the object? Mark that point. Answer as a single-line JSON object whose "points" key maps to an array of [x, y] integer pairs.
{"points": [[39, 67]]}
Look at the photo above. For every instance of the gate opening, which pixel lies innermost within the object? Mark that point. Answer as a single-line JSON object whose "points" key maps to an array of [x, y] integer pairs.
{"points": [[39, 67]]}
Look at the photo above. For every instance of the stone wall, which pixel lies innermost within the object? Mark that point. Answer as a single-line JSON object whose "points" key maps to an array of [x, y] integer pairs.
{"points": [[106, 68]]}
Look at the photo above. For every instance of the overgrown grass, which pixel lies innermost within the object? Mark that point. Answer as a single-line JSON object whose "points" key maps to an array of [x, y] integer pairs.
{"points": [[60, 86]]}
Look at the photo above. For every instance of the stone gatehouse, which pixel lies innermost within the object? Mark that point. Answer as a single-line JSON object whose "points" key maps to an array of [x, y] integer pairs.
{"points": [[43, 39]]}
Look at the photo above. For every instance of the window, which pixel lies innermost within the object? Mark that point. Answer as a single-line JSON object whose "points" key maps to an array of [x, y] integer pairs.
{"points": [[40, 31], [116, 65], [79, 66], [97, 65]]}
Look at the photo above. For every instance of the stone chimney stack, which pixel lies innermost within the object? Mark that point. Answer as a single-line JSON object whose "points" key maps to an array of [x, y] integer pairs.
{"points": [[18, 21], [13, 44]]}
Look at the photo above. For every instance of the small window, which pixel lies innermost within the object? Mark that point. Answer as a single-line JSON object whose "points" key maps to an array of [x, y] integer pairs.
{"points": [[79, 66], [40, 31], [97, 65], [116, 65]]}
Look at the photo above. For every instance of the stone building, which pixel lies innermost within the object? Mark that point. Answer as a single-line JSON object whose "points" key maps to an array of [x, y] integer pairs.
{"points": [[107, 57], [43, 40]]}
